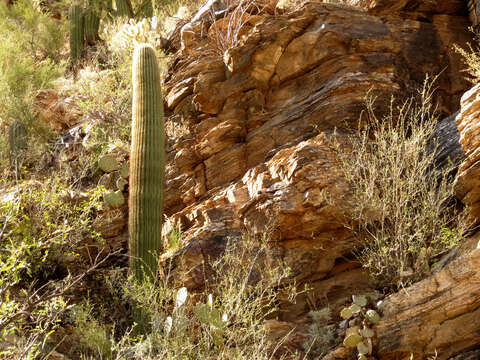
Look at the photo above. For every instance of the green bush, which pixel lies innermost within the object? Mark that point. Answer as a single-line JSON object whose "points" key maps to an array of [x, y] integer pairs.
{"points": [[225, 320], [401, 204], [41, 227], [30, 59]]}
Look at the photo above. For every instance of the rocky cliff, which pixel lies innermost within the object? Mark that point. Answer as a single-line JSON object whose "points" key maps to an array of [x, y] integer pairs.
{"points": [[260, 98]]}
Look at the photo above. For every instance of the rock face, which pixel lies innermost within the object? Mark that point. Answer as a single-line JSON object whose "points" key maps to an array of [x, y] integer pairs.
{"points": [[474, 11], [261, 110], [468, 180], [418, 9], [439, 315]]}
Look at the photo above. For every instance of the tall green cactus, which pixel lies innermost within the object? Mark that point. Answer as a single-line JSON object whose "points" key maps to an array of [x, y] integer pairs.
{"points": [[147, 164], [92, 23], [124, 8], [17, 138], [76, 33], [145, 9]]}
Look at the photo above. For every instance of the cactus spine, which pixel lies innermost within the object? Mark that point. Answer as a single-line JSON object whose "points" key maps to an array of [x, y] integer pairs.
{"points": [[147, 164], [76, 33]]}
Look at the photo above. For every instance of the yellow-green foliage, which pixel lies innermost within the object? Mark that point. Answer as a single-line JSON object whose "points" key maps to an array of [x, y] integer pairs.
{"points": [[30, 59], [471, 57], [40, 226], [401, 207], [223, 321]]}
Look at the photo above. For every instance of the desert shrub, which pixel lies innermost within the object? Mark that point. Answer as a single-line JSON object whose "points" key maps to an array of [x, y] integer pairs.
{"points": [[30, 59], [471, 58], [30, 54], [40, 224], [401, 204], [223, 321], [41, 227]]}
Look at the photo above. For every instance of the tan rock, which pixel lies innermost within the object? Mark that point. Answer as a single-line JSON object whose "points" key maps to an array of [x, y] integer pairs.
{"points": [[262, 115], [58, 112], [467, 183], [111, 223], [440, 314], [258, 156]]}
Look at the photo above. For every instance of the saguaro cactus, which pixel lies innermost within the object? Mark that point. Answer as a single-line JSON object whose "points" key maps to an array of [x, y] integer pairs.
{"points": [[147, 164], [76, 32], [92, 23], [124, 8], [145, 9], [17, 138]]}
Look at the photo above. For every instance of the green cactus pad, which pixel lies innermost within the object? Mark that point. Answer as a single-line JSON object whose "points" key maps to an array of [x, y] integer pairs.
{"points": [[372, 317], [108, 163], [346, 313], [362, 348], [360, 300], [121, 183], [351, 341], [367, 332], [354, 308], [124, 170], [114, 199], [147, 164], [352, 330]]}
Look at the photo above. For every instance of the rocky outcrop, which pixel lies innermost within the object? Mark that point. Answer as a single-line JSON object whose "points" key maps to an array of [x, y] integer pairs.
{"points": [[291, 78], [438, 317], [261, 116], [474, 11], [467, 186], [418, 9]]}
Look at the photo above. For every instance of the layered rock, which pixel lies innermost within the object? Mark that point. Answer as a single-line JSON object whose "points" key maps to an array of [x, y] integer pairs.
{"points": [[438, 317], [474, 11], [291, 78], [261, 116], [421, 8], [467, 186]]}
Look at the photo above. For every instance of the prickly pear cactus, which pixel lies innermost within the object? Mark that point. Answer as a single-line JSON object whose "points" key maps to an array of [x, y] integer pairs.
{"points": [[147, 164], [92, 23], [17, 138], [76, 32]]}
